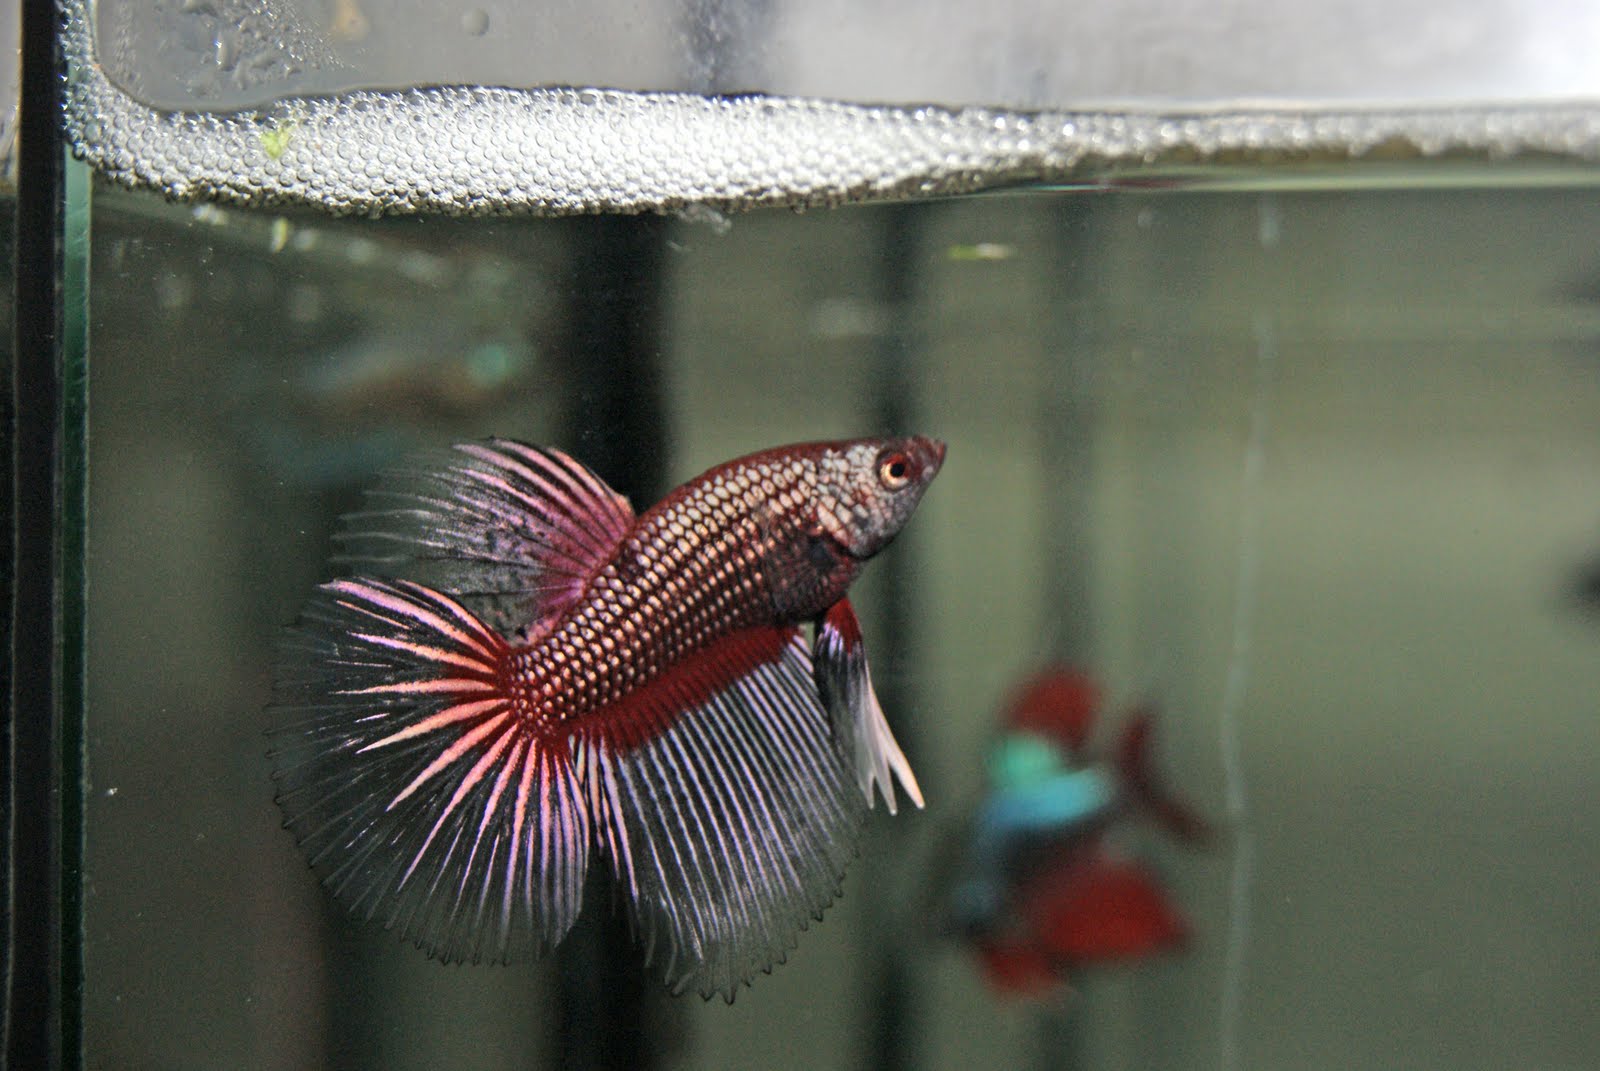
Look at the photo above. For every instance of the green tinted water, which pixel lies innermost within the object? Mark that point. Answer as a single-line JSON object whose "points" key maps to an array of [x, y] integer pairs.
{"points": [[1315, 469]]}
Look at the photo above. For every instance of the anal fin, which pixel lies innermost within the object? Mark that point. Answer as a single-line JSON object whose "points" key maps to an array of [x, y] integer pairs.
{"points": [[731, 823]]}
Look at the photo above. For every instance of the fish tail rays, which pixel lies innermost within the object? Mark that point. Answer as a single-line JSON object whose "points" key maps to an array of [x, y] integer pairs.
{"points": [[424, 799], [418, 791], [729, 831]]}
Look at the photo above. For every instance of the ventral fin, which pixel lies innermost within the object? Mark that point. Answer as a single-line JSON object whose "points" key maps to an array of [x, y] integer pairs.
{"points": [[726, 811], [845, 684], [415, 790], [512, 531]]}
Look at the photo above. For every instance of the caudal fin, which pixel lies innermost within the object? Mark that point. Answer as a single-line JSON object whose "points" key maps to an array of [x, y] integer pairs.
{"points": [[416, 790]]}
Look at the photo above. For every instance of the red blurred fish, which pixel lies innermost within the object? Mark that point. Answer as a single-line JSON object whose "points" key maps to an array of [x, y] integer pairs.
{"points": [[525, 671], [1041, 893]]}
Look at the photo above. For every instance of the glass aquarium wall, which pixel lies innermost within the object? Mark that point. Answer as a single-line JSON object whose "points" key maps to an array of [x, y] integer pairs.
{"points": [[1307, 472], [1245, 646]]}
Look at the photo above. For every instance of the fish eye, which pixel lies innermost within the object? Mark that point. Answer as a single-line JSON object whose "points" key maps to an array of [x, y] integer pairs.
{"points": [[894, 470]]}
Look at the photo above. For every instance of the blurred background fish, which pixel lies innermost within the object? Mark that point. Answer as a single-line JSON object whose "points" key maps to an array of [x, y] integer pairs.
{"points": [[1042, 890], [364, 345]]}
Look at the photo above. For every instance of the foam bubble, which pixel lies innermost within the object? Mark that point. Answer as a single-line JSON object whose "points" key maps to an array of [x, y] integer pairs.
{"points": [[472, 151]]}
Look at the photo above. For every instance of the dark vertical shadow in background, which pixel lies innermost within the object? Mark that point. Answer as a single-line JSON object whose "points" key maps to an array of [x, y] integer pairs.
{"points": [[1066, 412], [616, 423], [890, 1017], [1072, 340]]}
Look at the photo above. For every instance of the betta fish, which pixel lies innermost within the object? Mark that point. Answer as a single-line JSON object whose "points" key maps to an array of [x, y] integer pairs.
{"points": [[1040, 892], [523, 671]]}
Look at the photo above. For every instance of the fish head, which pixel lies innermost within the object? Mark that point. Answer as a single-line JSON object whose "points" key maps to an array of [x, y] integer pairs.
{"points": [[870, 488]]}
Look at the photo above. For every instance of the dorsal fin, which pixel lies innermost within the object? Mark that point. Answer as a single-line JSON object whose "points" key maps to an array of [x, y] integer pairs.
{"points": [[511, 531]]}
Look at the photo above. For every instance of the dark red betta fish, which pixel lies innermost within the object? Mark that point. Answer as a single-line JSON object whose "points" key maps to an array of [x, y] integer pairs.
{"points": [[524, 670]]}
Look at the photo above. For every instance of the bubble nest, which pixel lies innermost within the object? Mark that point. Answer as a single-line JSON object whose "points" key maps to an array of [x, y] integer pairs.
{"points": [[487, 151]]}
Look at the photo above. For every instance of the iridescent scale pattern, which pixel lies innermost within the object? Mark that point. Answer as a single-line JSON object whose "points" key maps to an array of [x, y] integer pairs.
{"points": [[695, 569]]}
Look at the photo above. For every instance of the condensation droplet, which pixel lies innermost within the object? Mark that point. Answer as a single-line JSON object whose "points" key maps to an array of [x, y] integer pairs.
{"points": [[475, 22]]}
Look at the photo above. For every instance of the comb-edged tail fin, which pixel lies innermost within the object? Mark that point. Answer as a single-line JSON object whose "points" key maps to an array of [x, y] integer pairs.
{"points": [[845, 683], [729, 822], [417, 790]]}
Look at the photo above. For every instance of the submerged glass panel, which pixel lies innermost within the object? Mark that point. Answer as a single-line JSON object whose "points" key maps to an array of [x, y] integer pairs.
{"points": [[1309, 470]]}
